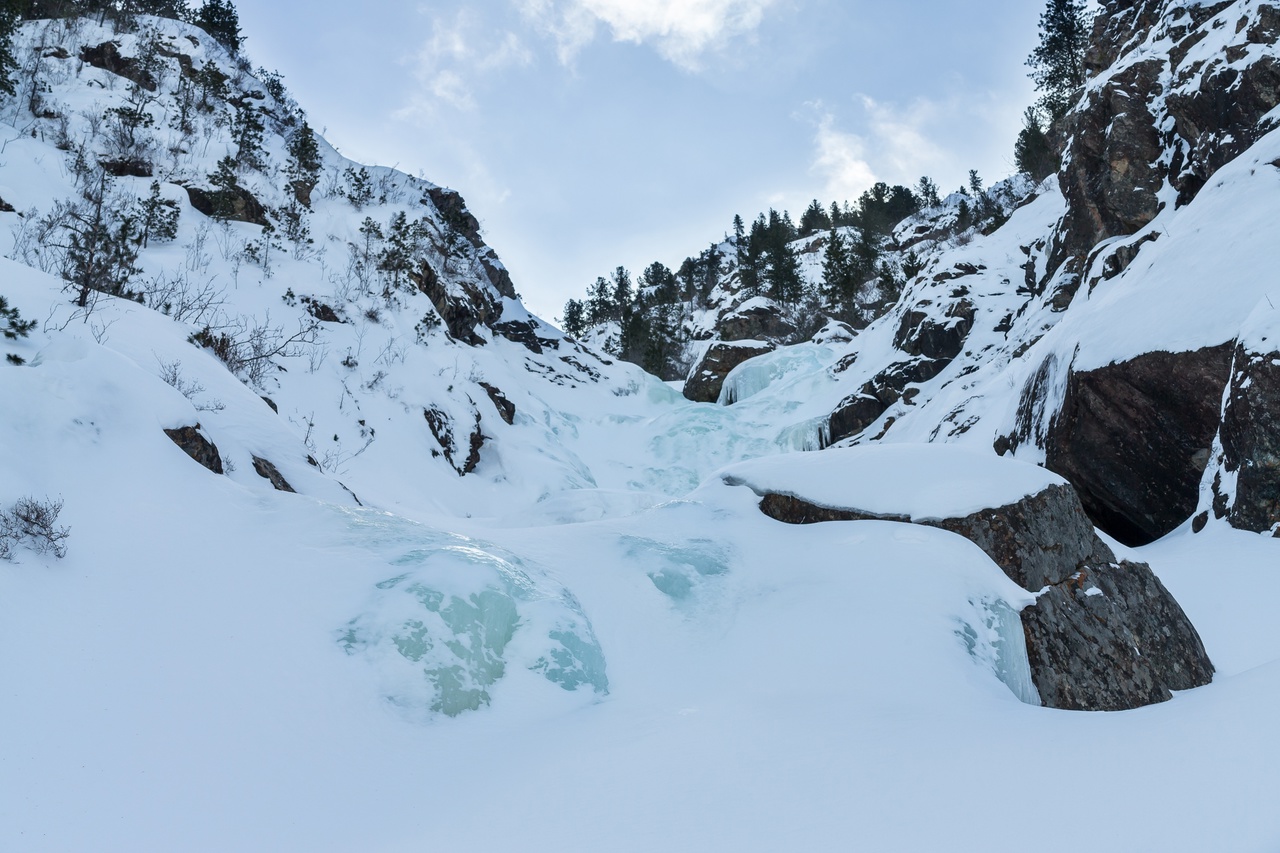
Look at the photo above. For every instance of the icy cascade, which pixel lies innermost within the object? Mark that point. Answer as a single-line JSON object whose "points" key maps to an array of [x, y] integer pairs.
{"points": [[446, 630], [994, 638]]}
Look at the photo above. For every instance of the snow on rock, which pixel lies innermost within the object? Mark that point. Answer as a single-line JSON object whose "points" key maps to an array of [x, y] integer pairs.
{"points": [[917, 482]]}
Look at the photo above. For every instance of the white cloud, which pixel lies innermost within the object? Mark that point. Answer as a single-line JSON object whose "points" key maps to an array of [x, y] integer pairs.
{"points": [[841, 161], [899, 143], [460, 53], [682, 31]]}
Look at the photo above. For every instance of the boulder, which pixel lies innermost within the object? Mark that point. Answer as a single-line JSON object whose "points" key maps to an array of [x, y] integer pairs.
{"points": [[1102, 635], [194, 444], [107, 57], [1135, 437], [707, 376], [1111, 638], [236, 204]]}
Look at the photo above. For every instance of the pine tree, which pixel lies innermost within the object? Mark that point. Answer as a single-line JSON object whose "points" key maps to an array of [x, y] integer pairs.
{"points": [[575, 319], [1032, 152], [927, 190], [9, 19], [599, 308], [814, 219], [12, 326], [304, 156], [102, 244], [158, 217], [247, 130], [1057, 63], [783, 273], [219, 19]]}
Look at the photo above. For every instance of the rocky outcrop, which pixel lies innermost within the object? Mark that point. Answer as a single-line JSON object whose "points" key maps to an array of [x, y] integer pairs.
{"points": [[236, 204], [761, 322], [107, 57], [194, 444], [464, 307], [1250, 436], [1102, 635], [860, 410], [1135, 437], [442, 427], [506, 408], [268, 471], [922, 333], [707, 376], [1176, 115]]}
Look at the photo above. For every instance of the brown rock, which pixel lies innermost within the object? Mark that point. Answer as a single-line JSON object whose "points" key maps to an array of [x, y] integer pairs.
{"points": [[195, 445], [268, 471], [1133, 438]]}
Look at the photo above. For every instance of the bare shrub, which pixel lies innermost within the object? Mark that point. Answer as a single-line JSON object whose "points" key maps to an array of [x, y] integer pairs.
{"points": [[33, 524]]}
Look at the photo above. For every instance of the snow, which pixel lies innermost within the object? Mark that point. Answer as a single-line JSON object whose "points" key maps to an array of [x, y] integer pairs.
{"points": [[921, 482], [591, 642]]}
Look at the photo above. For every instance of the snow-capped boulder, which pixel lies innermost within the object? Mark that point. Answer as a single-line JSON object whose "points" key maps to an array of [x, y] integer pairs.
{"points": [[1102, 635], [706, 378]]}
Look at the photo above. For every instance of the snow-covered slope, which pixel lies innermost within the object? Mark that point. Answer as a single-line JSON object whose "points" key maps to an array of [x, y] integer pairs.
{"points": [[524, 596]]}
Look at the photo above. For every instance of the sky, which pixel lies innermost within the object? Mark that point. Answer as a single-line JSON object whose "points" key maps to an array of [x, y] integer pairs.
{"points": [[587, 134]]}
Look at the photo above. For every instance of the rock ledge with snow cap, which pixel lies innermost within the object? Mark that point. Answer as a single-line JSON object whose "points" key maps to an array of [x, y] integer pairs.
{"points": [[1102, 635]]}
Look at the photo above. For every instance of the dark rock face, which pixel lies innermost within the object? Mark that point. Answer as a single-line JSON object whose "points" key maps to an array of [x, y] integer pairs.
{"points": [[240, 207], [1118, 157], [195, 445], [1250, 436], [453, 210], [506, 408], [462, 311], [1112, 177], [525, 332], [107, 57], [855, 413], [858, 411], [1039, 541], [269, 472], [1102, 635], [759, 322], [1112, 638], [1135, 437], [921, 335], [441, 426], [707, 376]]}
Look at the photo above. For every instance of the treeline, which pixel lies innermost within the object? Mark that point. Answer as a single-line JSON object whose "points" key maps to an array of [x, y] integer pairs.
{"points": [[649, 317], [652, 312]]}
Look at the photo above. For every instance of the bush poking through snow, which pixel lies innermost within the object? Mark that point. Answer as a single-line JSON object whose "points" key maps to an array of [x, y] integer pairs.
{"points": [[33, 524]]}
